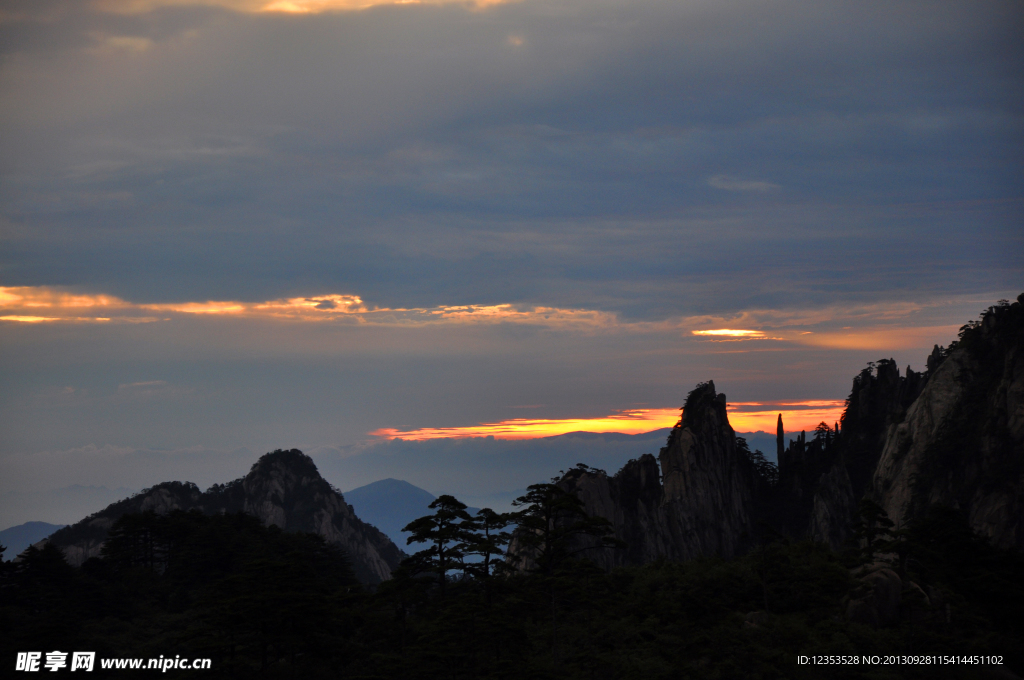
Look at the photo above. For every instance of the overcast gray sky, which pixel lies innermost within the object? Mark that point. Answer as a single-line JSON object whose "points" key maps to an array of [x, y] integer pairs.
{"points": [[227, 228]]}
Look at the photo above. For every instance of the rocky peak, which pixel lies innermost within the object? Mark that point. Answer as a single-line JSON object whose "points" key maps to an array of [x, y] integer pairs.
{"points": [[164, 498], [708, 483], [283, 488], [291, 464], [701, 503]]}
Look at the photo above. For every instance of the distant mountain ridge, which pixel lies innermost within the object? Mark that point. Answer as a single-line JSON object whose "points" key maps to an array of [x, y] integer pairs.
{"points": [[16, 539], [283, 488], [613, 436], [57, 506], [390, 504]]}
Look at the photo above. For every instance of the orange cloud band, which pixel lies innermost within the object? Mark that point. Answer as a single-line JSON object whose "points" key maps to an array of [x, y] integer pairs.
{"points": [[633, 421], [731, 333], [38, 305], [743, 416], [42, 304]]}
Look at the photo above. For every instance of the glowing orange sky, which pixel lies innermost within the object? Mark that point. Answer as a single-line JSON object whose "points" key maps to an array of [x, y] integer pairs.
{"points": [[632, 421], [743, 416], [796, 415]]}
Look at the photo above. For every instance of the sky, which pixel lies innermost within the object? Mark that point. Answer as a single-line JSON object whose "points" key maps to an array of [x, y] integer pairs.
{"points": [[419, 236]]}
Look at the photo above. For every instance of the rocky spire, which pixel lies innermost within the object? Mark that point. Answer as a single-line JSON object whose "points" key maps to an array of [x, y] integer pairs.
{"points": [[780, 441], [703, 504]]}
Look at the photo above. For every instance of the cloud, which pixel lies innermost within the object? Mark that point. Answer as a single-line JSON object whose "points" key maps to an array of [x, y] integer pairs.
{"points": [[882, 339], [731, 333], [633, 421], [890, 325], [67, 307], [731, 184], [123, 43], [743, 416]]}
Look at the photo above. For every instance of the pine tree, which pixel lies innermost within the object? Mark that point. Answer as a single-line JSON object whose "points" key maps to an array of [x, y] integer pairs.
{"points": [[488, 541], [448, 532], [554, 527]]}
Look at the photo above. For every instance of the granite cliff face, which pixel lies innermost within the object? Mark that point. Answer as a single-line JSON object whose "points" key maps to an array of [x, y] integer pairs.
{"points": [[823, 480], [697, 499], [708, 484], [283, 488], [962, 441], [953, 436]]}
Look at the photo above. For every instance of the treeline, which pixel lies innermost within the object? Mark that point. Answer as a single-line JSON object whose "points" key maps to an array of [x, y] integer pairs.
{"points": [[261, 602]]}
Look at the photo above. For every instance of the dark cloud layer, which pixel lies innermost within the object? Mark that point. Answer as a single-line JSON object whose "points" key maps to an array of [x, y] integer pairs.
{"points": [[608, 155]]}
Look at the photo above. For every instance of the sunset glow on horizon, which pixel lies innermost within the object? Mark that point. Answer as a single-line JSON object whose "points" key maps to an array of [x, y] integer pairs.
{"points": [[796, 415], [743, 416], [730, 333], [276, 6], [630, 421], [234, 226]]}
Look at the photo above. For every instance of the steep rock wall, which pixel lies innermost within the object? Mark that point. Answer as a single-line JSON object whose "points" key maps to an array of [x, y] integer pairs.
{"points": [[631, 501], [962, 441], [708, 485]]}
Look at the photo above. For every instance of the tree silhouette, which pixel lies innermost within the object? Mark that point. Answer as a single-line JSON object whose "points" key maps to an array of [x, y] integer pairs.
{"points": [[448, 532], [765, 469], [553, 527], [488, 541]]}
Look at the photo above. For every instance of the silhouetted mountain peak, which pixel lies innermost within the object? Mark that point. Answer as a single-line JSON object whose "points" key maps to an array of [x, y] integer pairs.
{"points": [[703, 403], [290, 464], [283, 488]]}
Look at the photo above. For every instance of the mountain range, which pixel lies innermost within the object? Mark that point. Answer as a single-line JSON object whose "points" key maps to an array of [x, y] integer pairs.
{"points": [[952, 435]]}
